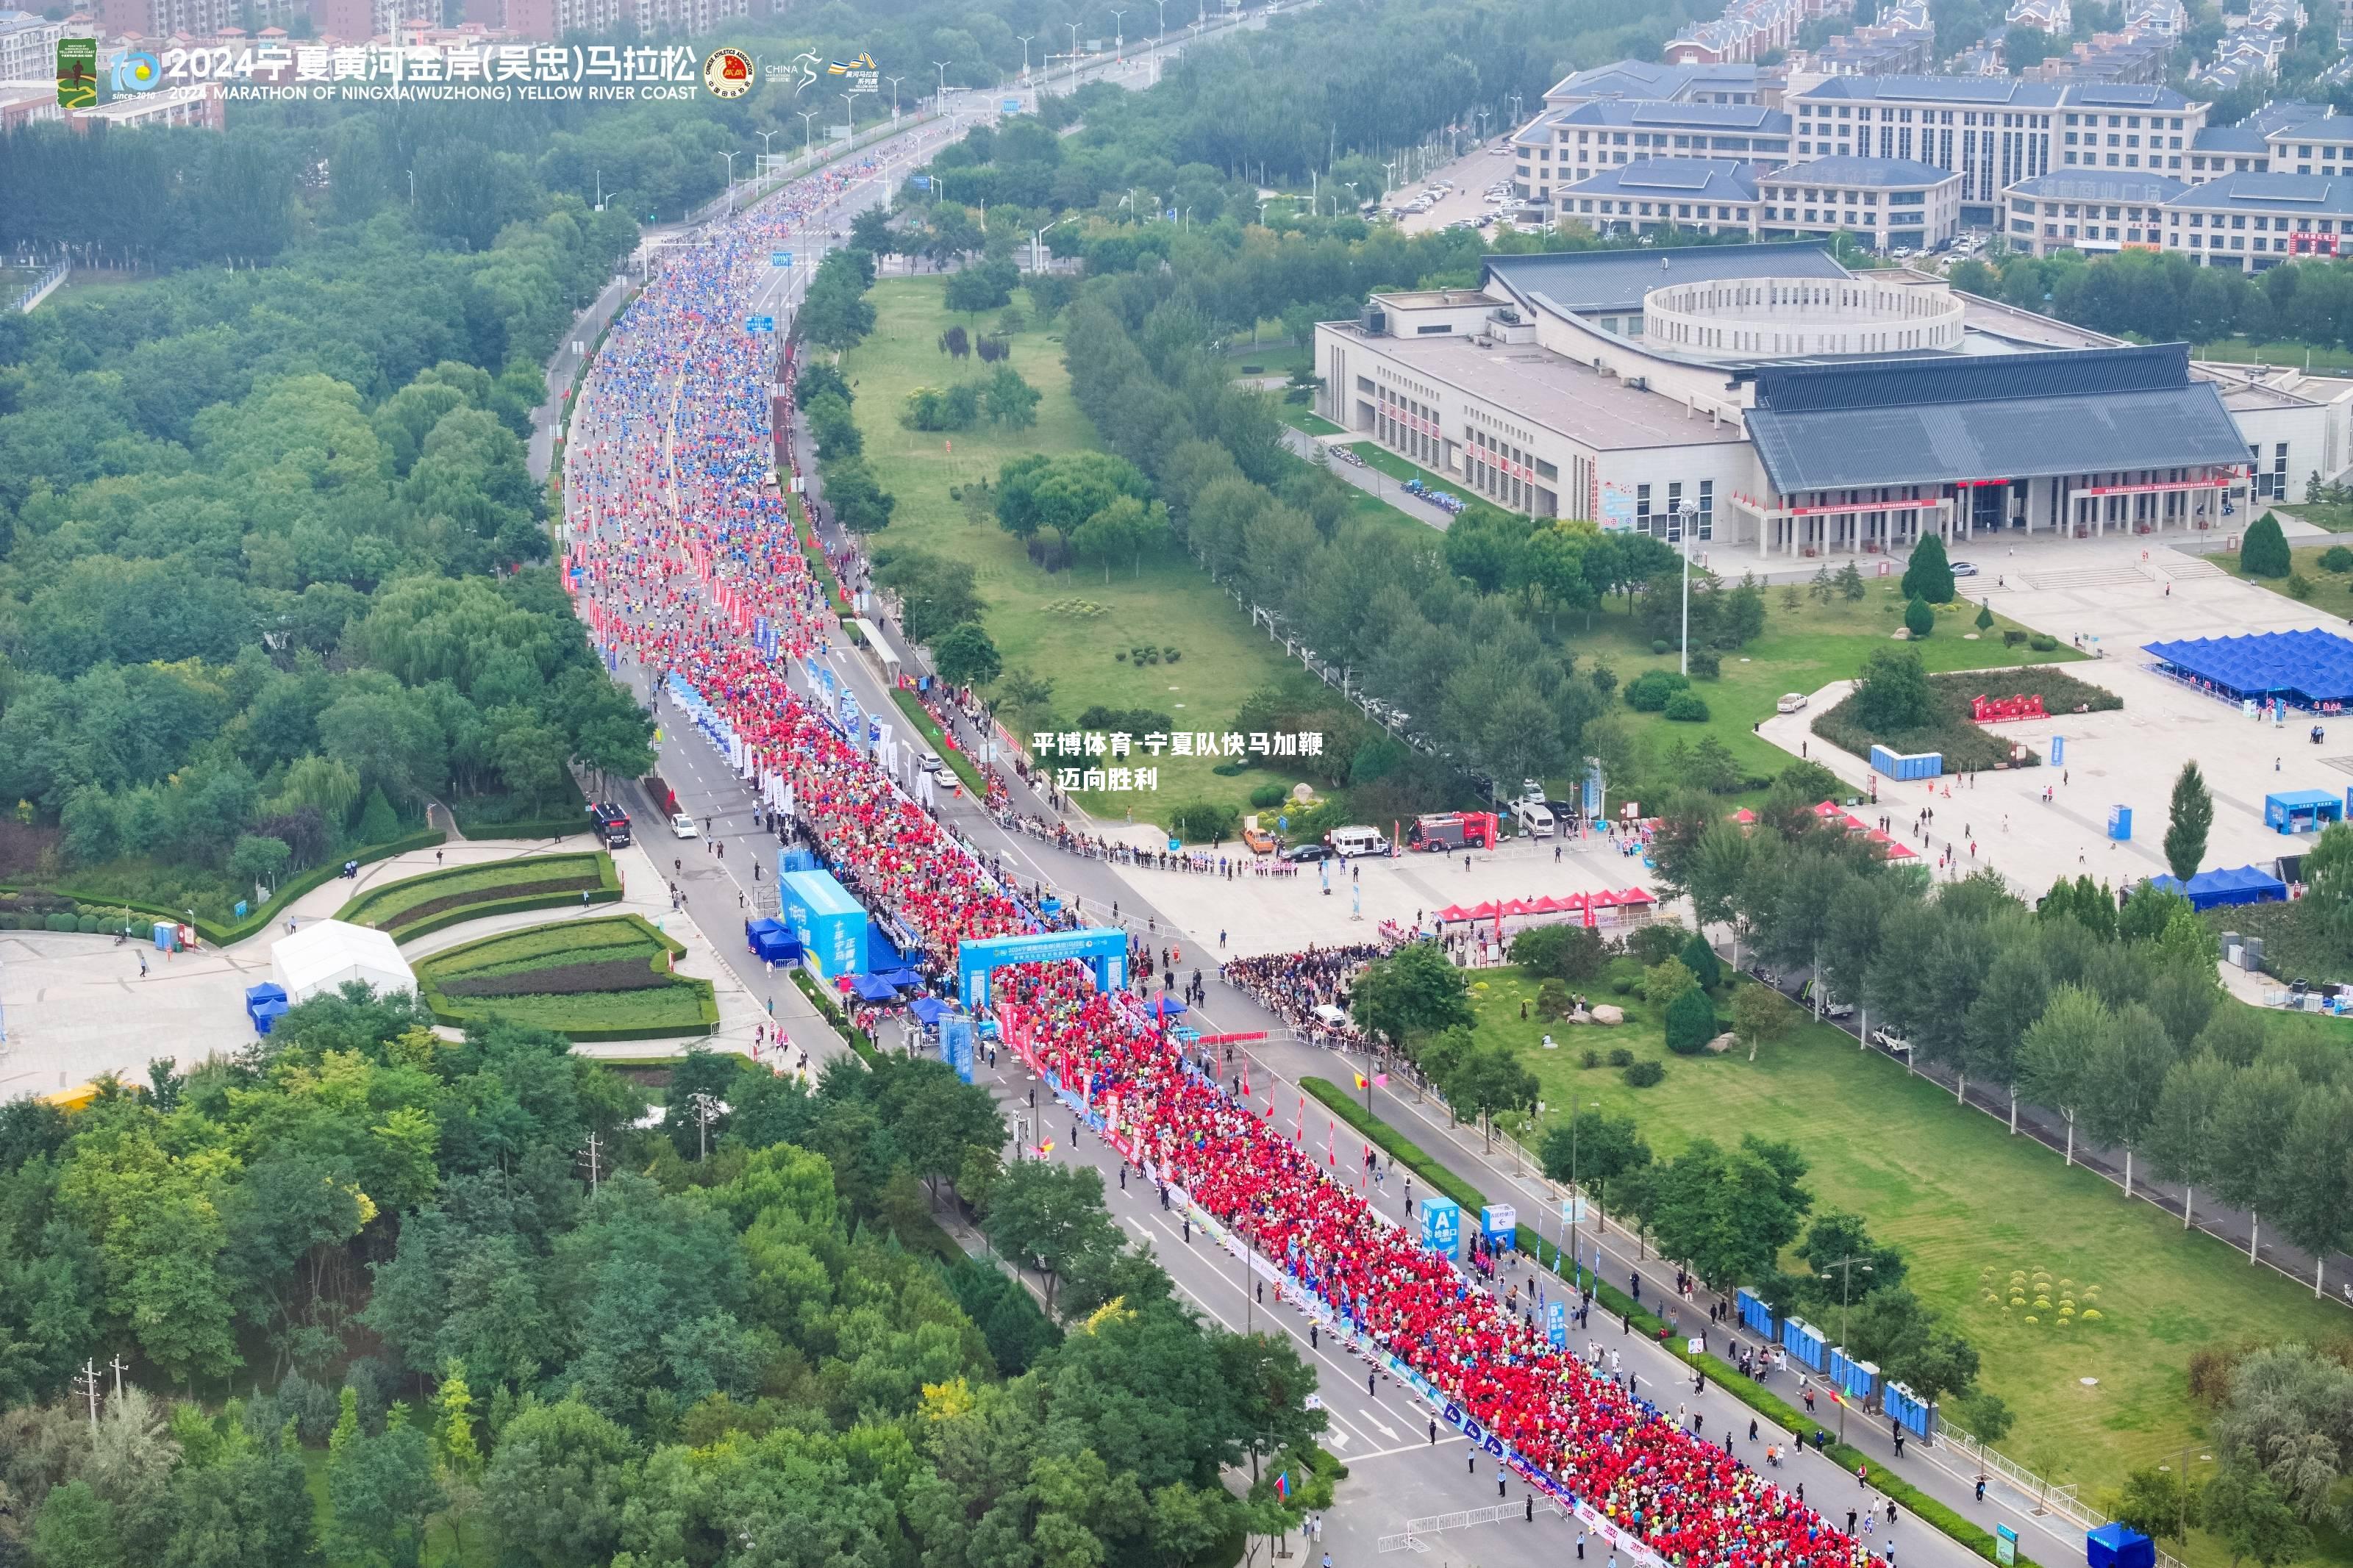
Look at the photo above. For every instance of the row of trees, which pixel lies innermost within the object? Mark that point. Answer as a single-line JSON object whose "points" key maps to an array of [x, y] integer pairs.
{"points": [[503, 1311], [2105, 1011]]}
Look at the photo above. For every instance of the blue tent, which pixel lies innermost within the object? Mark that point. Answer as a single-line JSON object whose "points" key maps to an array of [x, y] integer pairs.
{"points": [[928, 1009], [2212, 890], [266, 1014], [1167, 1006], [873, 987], [771, 940], [2308, 668], [902, 978]]}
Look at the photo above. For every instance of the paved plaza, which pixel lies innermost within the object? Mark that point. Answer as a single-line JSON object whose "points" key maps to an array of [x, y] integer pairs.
{"points": [[76, 1007], [2113, 600]]}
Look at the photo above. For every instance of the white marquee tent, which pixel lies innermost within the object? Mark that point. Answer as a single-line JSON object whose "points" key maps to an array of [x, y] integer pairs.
{"points": [[322, 957]]}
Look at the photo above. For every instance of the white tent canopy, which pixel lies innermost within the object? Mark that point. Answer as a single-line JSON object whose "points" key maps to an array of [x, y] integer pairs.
{"points": [[322, 957]]}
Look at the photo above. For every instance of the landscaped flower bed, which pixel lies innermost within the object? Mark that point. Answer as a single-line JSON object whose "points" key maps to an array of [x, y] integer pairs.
{"points": [[608, 979], [415, 906]]}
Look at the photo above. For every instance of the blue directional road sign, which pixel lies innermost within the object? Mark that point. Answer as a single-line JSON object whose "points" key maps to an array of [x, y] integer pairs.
{"points": [[759, 323], [780, 259], [1011, 106]]}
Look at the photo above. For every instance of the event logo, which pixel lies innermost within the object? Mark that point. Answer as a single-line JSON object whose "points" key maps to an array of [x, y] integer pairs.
{"points": [[77, 73], [806, 63], [135, 71], [859, 75], [727, 73]]}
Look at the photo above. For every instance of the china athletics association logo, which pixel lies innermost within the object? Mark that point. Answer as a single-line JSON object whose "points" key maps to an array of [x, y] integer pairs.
{"points": [[727, 73]]}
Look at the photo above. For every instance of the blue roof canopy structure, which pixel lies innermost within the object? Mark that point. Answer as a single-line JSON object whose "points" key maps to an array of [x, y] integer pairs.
{"points": [[2211, 890], [2308, 669]]}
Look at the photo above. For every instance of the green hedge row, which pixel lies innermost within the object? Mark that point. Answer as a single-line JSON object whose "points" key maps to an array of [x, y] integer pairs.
{"points": [[1726, 1377], [706, 995], [220, 934], [608, 890], [535, 827]]}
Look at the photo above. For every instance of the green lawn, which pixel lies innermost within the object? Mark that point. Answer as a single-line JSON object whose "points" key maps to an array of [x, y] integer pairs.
{"points": [[2326, 359], [1802, 650], [1305, 421], [1960, 1197], [1395, 467], [1064, 626], [2331, 591]]}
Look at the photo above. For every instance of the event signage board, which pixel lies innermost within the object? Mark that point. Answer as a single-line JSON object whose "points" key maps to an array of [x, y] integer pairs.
{"points": [[1499, 1223], [1442, 1227]]}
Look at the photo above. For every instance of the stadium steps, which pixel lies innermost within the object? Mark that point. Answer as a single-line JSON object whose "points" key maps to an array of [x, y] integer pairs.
{"points": [[2084, 577]]}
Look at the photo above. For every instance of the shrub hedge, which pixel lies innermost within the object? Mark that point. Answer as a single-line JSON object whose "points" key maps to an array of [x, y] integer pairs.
{"points": [[510, 975], [417, 906]]}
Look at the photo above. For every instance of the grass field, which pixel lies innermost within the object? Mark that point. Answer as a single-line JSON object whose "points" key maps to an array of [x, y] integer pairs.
{"points": [[563, 952], [1306, 420], [1959, 1195], [1802, 650], [2332, 592], [415, 905], [2324, 360], [1063, 626]]}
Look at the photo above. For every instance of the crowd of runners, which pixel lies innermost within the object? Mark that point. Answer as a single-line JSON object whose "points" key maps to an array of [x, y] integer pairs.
{"points": [[687, 561]]}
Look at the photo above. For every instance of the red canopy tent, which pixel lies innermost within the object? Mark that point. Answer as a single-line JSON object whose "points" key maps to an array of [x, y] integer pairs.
{"points": [[1829, 809], [1453, 912], [1546, 904], [1518, 907], [1743, 817], [1634, 895], [1901, 852], [1485, 911]]}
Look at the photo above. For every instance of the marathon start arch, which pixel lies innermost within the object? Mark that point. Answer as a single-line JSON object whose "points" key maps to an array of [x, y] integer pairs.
{"points": [[1103, 947]]}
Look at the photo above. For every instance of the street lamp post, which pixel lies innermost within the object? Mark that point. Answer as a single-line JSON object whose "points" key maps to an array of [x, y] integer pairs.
{"points": [[1118, 34], [1685, 515], [942, 66], [894, 82], [808, 134], [731, 180], [1025, 55], [1575, 1192], [850, 115], [1073, 26], [1846, 1268], [1038, 242]]}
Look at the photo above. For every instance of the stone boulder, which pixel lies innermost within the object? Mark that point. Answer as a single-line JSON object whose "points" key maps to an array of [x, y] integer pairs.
{"points": [[1724, 1042], [1605, 1014]]}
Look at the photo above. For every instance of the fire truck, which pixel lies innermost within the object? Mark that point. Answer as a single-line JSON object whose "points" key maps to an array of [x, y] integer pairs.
{"points": [[1448, 830]]}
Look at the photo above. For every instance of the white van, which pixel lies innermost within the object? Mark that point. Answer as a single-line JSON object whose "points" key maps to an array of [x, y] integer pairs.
{"points": [[1534, 817], [1350, 842]]}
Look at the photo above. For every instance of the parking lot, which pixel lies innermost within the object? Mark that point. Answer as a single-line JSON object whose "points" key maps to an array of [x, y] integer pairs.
{"points": [[1455, 194]]}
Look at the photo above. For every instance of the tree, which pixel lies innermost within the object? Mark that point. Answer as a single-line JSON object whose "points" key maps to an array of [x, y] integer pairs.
{"points": [[860, 503], [2245, 1509], [2126, 1081], [1414, 991], [1487, 1082], [553, 1491], [870, 231], [1700, 958], [2181, 1131], [1984, 617], [1560, 951], [2158, 1503], [2058, 1058], [965, 655], [76, 1528], [1919, 620], [1761, 1013], [1892, 694], [1691, 1022], [1598, 1150], [2263, 552], [1012, 402], [382, 1489], [1850, 588], [1726, 1213], [1668, 981], [1049, 1218], [1928, 574], [2193, 816]]}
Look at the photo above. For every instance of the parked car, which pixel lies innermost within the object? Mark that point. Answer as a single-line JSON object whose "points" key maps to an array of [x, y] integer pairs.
{"points": [[1791, 702], [683, 826], [1307, 853], [1260, 840], [1964, 568]]}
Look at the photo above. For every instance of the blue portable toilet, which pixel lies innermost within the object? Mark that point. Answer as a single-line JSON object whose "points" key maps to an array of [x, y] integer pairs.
{"points": [[1805, 1342], [1907, 1408], [2116, 1545], [1755, 1312], [2120, 822], [1858, 1380]]}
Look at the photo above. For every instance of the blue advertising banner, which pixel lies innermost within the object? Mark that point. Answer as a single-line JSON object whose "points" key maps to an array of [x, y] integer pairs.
{"points": [[1441, 1226]]}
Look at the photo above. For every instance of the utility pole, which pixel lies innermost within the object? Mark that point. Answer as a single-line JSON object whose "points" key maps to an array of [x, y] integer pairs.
{"points": [[120, 1368], [88, 1380], [1846, 1267], [596, 1164]]}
